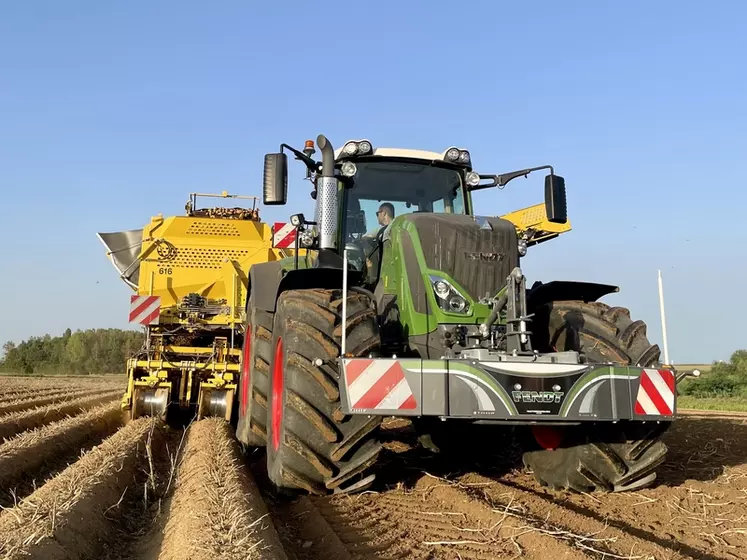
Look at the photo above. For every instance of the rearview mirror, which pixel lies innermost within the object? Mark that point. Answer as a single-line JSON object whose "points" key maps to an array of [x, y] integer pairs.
{"points": [[275, 179], [555, 203]]}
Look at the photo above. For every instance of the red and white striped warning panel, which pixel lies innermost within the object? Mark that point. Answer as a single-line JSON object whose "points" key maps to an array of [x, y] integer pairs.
{"points": [[377, 385], [655, 393], [145, 310], [283, 235]]}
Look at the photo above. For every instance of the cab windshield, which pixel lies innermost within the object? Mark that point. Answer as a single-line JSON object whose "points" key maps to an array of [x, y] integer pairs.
{"points": [[408, 187]]}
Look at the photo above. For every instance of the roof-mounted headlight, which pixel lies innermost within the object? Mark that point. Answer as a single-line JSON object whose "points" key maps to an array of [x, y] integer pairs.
{"points": [[361, 148], [456, 155]]}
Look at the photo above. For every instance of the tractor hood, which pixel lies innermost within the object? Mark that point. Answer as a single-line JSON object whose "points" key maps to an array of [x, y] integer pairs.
{"points": [[477, 252]]}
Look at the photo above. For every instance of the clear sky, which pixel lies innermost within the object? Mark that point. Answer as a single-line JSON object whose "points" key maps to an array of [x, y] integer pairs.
{"points": [[111, 112]]}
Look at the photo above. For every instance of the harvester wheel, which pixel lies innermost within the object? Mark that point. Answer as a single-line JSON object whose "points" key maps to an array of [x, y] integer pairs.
{"points": [[603, 457], [150, 402], [311, 444], [254, 384]]}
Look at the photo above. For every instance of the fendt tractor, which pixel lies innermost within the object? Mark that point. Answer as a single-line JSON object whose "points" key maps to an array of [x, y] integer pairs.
{"points": [[408, 303], [189, 277]]}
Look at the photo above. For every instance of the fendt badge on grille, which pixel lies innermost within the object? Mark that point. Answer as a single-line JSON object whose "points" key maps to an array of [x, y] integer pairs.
{"points": [[481, 256]]}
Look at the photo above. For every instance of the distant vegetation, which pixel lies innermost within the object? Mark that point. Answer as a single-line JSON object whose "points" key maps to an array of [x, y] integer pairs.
{"points": [[82, 352], [725, 379]]}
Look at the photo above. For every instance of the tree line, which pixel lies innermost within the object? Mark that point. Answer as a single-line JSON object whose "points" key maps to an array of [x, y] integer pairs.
{"points": [[726, 379], [106, 351], [91, 351]]}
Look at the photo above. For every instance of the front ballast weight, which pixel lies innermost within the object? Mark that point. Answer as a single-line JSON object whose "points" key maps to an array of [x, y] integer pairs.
{"points": [[509, 389]]}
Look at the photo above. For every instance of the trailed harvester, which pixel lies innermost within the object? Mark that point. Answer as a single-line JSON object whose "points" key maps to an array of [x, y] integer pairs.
{"points": [[424, 312], [189, 277]]}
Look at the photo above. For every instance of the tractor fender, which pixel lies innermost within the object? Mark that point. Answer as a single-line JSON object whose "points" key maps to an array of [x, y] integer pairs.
{"points": [[268, 280], [560, 290]]}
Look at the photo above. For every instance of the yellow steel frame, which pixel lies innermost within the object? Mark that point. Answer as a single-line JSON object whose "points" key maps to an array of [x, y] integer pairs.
{"points": [[209, 370], [533, 219]]}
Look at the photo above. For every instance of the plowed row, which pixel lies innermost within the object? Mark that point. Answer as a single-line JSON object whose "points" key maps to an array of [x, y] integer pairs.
{"points": [[79, 483]]}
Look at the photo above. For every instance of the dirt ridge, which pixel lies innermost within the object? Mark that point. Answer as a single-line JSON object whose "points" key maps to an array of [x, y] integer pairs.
{"points": [[231, 521], [67, 517]]}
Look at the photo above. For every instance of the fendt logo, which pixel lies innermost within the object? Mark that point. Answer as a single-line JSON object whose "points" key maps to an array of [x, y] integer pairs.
{"points": [[482, 256], [538, 396]]}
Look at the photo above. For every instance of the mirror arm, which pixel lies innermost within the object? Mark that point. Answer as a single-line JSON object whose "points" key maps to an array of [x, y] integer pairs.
{"points": [[310, 163], [500, 181]]}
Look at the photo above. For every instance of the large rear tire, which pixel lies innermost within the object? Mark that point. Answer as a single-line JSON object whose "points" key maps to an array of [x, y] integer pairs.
{"points": [[254, 384], [597, 457], [311, 444]]}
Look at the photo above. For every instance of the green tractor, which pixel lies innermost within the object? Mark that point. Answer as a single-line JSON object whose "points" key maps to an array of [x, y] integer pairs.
{"points": [[408, 303]]}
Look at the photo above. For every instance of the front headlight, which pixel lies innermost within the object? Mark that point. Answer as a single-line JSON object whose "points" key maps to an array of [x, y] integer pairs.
{"points": [[448, 297]]}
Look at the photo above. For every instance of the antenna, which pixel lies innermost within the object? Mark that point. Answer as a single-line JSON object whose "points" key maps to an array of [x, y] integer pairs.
{"points": [[663, 321]]}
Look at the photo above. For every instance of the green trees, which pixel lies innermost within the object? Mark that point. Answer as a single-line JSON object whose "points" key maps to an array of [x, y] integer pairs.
{"points": [[724, 379], [80, 352]]}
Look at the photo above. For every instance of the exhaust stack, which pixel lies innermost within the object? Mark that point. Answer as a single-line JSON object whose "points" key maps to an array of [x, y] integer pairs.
{"points": [[326, 197]]}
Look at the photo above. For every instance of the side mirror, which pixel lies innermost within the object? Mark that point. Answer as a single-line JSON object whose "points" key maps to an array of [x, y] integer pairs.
{"points": [[275, 179], [555, 204]]}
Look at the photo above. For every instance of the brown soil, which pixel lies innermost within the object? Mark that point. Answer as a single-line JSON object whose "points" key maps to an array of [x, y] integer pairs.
{"points": [[36, 401], [68, 516], [216, 510], [7, 397], [194, 497], [31, 455], [17, 422], [426, 506]]}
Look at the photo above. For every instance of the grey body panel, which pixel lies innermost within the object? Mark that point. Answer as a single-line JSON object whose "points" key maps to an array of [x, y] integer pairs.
{"points": [[498, 390]]}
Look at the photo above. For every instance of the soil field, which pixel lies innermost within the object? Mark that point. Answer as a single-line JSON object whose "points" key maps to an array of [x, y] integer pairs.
{"points": [[78, 482]]}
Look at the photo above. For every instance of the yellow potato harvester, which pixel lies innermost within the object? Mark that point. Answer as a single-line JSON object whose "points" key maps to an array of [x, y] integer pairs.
{"points": [[189, 274]]}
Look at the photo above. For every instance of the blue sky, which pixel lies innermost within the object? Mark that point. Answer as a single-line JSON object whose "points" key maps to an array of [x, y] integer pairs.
{"points": [[111, 112]]}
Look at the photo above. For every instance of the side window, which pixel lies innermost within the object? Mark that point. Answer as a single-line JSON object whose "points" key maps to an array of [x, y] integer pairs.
{"points": [[370, 207]]}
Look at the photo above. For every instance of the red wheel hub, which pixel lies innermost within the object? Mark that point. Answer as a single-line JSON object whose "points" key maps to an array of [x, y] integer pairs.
{"points": [[547, 436], [247, 356], [277, 394]]}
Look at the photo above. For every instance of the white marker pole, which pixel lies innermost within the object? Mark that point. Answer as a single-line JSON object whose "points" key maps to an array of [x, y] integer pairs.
{"points": [[663, 321], [344, 301]]}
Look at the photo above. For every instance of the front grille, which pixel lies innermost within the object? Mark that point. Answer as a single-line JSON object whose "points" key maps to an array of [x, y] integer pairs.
{"points": [[478, 259]]}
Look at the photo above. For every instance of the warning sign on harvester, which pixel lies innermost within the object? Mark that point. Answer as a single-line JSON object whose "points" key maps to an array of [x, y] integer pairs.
{"points": [[145, 310], [283, 235]]}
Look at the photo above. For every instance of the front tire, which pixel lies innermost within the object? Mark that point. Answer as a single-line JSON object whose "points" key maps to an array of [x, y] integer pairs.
{"points": [[311, 444], [597, 457]]}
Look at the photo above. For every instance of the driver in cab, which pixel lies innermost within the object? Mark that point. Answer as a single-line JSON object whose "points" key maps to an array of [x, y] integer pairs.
{"points": [[384, 215]]}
